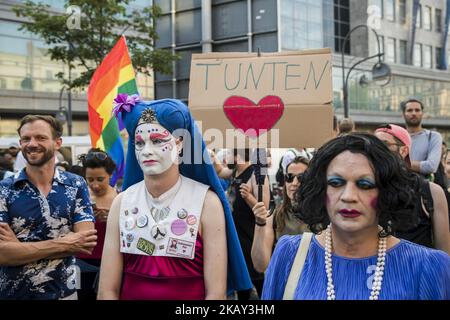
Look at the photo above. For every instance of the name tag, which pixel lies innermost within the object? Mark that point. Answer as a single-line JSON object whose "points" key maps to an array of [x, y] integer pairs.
{"points": [[180, 248]]}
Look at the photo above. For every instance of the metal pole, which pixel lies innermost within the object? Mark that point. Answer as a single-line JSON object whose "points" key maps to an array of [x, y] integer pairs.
{"points": [[69, 103], [249, 26], [345, 79], [173, 46]]}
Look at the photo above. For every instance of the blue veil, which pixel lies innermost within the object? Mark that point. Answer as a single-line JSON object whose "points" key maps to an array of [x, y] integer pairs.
{"points": [[173, 114]]}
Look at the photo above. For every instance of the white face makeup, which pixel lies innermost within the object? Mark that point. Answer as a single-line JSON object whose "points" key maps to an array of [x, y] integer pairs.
{"points": [[155, 148]]}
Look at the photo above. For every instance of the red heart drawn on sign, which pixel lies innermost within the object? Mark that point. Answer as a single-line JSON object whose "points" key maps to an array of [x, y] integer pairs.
{"points": [[245, 115]]}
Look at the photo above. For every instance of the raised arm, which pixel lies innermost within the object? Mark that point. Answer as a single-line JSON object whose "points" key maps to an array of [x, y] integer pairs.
{"points": [[249, 192], [221, 170], [112, 261], [213, 232], [263, 238]]}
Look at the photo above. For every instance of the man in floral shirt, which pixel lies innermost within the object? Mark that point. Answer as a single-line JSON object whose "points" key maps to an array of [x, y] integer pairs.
{"points": [[45, 219]]}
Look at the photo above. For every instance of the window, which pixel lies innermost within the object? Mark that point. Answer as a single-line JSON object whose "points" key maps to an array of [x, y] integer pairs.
{"points": [[403, 51], [427, 54], [419, 17], [402, 11], [417, 59], [390, 10], [379, 4], [448, 59], [390, 50], [2, 83], [341, 25], [438, 57], [438, 19], [49, 74], [301, 25], [427, 18]]}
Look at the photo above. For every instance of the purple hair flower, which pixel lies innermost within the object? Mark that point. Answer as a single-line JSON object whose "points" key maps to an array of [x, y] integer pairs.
{"points": [[124, 102]]}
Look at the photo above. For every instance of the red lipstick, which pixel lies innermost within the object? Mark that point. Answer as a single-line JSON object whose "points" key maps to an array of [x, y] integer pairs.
{"points": [[346, 213], [150, 162]]}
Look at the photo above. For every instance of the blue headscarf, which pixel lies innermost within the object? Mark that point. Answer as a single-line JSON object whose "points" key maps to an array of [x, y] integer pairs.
{"points": [[173, 114]]}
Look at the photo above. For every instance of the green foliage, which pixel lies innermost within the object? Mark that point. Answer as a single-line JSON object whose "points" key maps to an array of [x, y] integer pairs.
{"points": [[101, 24]]}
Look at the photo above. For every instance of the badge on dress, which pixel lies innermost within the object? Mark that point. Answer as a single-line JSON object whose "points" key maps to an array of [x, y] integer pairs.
{"points": [[130, 237], [158, 232], [145, 246], [182, 214], [130, 223], [191, 219], [180, 248], [178, 227], [159, 214], [142, 221]]}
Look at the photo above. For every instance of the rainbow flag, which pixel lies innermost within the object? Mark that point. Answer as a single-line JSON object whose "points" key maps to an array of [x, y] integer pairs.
{"points": [[114, 75]]}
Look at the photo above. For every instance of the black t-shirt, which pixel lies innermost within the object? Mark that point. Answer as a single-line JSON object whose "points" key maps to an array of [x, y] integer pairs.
{"points": [[422, 232], [244, 220]]}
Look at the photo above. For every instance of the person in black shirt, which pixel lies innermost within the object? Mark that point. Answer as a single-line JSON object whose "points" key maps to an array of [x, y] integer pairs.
{"points": [[432, 229], [243, 194]]}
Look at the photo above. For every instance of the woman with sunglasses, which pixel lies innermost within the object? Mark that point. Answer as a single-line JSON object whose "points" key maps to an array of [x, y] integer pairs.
{"points": [[270, 227], [354, 195], [98, 168]]}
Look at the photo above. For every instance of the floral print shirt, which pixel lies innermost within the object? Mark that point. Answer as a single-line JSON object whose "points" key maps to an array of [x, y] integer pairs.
{"points": [[34, 217]]}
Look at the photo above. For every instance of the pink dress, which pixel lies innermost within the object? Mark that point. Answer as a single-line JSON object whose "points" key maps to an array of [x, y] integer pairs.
{"points": [[100, 226], [163, 278]]}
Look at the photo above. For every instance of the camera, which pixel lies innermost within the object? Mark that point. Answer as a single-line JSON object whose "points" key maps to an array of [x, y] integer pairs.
{"points": [[236, 182]]}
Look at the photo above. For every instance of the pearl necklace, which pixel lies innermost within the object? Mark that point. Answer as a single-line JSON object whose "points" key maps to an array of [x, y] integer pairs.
{"points": [[379, 271]]}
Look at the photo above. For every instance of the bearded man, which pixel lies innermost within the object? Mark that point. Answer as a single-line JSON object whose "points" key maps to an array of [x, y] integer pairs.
{"points": [[46, 219]]}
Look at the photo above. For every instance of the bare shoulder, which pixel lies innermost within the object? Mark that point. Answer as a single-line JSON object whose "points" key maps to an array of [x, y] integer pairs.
{"points": [[115, 206], [212, 202], [436, 189], [117, 200]]}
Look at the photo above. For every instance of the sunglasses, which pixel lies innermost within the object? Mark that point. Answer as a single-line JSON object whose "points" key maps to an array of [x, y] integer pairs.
{"points": [[289, 177], [385, 126], [102, 156]]}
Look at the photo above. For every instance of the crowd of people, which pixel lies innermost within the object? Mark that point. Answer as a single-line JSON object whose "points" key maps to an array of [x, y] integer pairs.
{"points": [[365, 216]]}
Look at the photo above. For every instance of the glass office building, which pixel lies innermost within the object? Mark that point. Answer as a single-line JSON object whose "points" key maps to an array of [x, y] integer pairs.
{"points": [[27, 74]]}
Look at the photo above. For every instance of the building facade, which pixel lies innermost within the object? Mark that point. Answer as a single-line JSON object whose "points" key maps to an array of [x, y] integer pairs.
{"points": [[413, 35], [27, 75]]}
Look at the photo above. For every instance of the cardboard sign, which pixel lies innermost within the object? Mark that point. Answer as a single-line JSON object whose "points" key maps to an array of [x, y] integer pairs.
{"points": [[275, 96]]}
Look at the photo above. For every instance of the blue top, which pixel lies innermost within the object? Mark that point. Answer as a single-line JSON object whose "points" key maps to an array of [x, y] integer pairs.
{"points": [[412, 272], [33, 218], [426, 148]]}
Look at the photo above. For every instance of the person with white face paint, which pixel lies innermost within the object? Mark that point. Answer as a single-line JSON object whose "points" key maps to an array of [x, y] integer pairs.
{"points": [[169, 230], [156, 148]]}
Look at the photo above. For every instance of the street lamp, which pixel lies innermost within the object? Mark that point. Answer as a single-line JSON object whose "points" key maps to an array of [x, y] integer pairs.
{"points": [[64, 114], [379, 71]]}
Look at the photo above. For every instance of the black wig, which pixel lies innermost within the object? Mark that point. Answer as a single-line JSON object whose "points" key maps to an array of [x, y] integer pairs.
{"points": [[395, 183]]}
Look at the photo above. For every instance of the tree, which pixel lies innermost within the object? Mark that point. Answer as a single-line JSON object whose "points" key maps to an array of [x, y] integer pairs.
{"points": [[101, 24]]}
